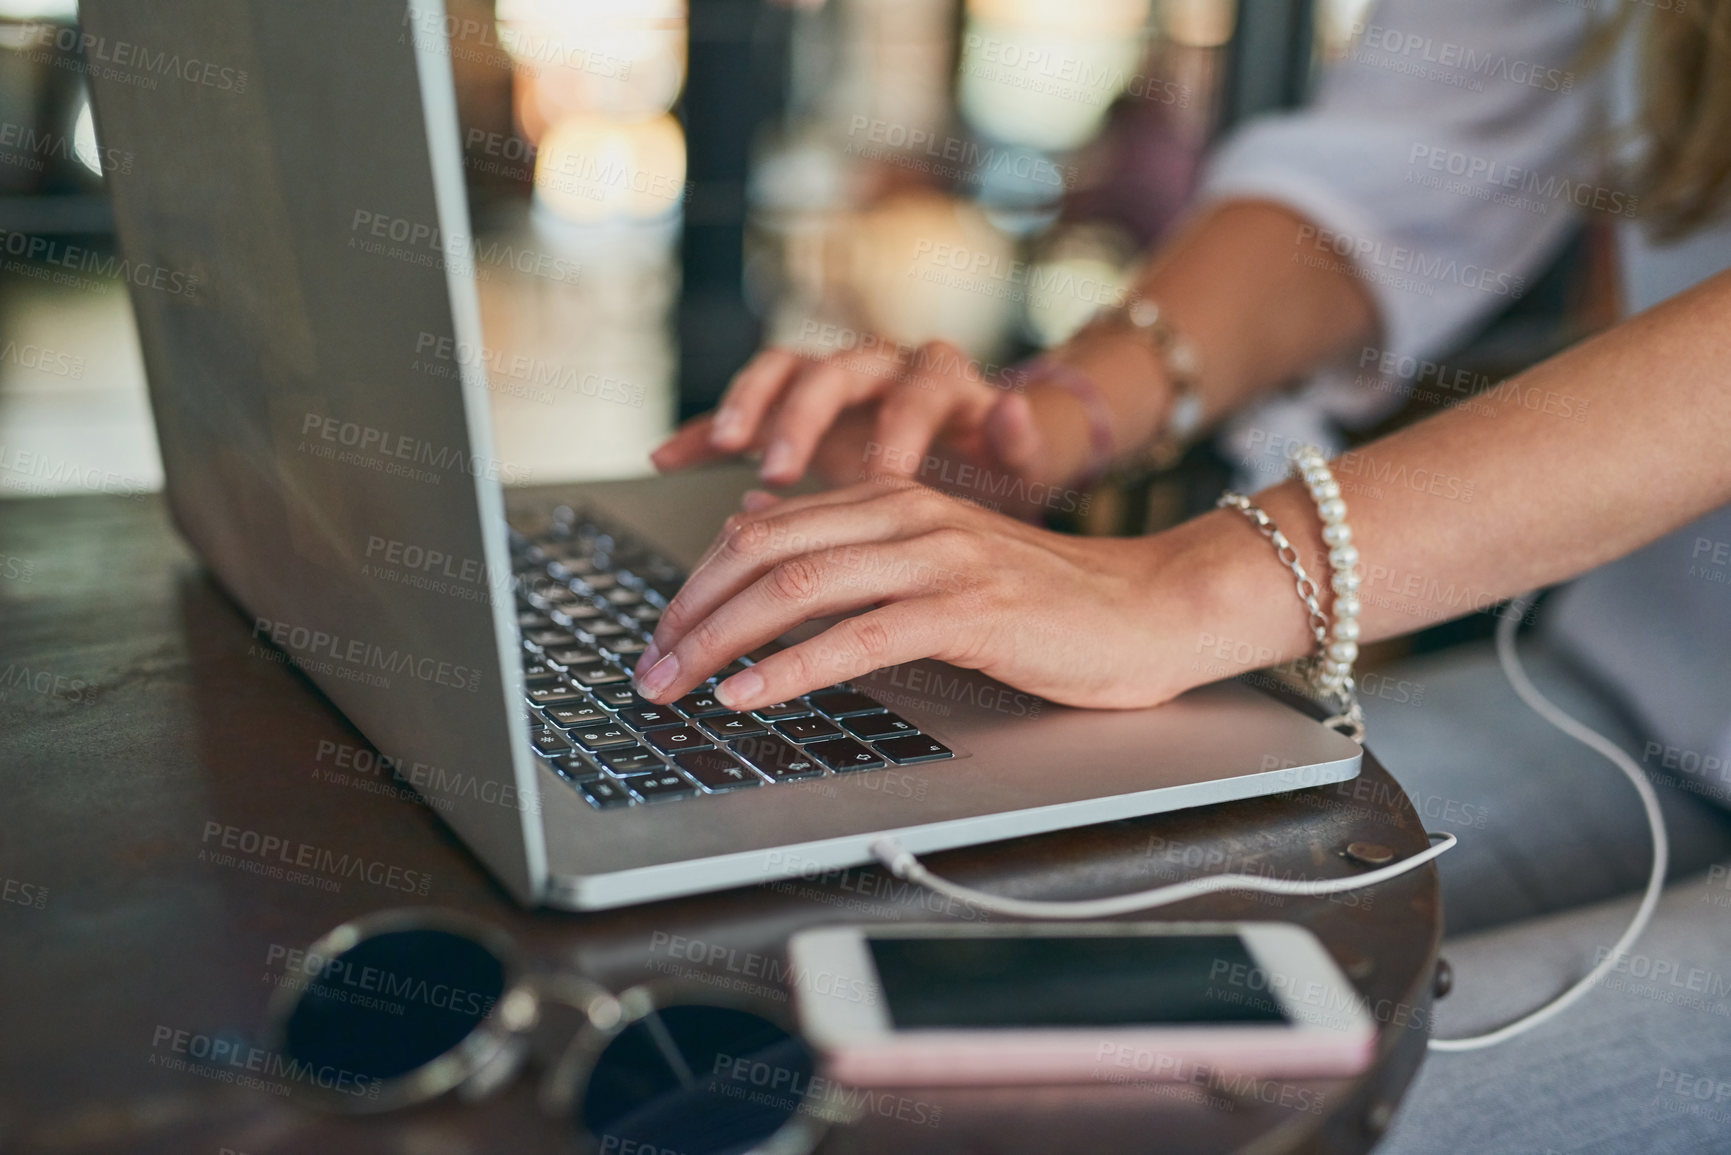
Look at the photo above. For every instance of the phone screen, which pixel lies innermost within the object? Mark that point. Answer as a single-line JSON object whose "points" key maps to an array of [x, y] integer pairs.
{"points": [[1083, 981]]}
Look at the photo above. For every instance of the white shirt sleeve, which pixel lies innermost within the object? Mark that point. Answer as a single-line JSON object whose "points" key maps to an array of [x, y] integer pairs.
{"points": [[1443, 159]]}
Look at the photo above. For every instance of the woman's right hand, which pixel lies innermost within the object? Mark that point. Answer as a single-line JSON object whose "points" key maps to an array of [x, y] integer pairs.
{"points": [[859, 414]]}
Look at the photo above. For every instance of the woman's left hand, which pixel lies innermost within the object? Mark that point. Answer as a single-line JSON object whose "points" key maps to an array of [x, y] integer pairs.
{"points": [[1079, 621]]}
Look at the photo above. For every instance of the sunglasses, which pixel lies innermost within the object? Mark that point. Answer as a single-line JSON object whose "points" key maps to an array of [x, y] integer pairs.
{"points": [[400, 1007]]}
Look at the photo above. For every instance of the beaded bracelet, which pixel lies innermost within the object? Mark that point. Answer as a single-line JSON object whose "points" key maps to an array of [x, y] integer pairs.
{"points": [[1329, 671]]}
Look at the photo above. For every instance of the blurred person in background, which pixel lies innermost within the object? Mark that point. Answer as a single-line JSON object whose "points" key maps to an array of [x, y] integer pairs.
{"points": [[1441, 167]]}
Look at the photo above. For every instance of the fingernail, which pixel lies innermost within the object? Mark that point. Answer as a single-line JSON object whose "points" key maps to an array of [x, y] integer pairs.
{"points": [[660, 676], [778, 459], [741, 688], [727, 426], [646, 660]]}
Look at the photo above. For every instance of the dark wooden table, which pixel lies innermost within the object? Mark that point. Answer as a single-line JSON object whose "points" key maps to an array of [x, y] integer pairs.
{"points": [[133, 716]]}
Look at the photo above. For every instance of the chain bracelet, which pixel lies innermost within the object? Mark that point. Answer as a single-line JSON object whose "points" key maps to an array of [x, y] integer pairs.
{"points": [[1329, 671]]}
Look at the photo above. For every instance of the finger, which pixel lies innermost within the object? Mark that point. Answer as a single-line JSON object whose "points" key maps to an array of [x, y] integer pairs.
{"points": [[757, 500], [918, 409], [690, 445], [843, 496], [901, 632], [1012, 435], [809, 408], [759, 545], [813, 585], [751, 394]]}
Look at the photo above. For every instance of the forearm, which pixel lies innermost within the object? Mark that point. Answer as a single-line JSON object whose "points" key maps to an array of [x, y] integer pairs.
{"points": [[1257, 317], [1578, 461]]}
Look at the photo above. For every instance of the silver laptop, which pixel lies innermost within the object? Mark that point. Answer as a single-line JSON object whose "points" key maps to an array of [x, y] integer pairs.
{"points": [[351, 503]]}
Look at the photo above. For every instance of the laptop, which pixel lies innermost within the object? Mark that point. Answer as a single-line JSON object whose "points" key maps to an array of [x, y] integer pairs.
{"points": [[480, 635]]}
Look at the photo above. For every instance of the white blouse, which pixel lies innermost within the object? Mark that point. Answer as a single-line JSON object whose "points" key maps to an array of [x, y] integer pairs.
{"points": [[1444, 160]]}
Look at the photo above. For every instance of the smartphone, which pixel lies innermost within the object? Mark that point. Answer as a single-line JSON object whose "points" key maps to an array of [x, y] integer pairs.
{"points": [[1079, 1002]]}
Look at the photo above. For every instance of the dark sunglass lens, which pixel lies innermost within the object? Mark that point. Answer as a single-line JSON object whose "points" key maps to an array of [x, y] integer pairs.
{"points": [[392, 1003], [697, 1080]]}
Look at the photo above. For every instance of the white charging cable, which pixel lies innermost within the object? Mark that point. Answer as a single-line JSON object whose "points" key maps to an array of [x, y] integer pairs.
{"points": [[1593, 740], [902, 863]]}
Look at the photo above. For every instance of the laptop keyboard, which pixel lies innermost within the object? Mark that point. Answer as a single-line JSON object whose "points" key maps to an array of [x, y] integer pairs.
{"points": [[588, 599]]}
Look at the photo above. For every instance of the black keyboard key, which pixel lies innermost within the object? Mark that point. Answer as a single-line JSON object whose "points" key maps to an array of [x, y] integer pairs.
{"points": [[599, 582], [598, 675], [623, 597], [844, 754], [629, 760], [548, 742], [913, 748], [808, 729], [576, 611], [776, 711], [577, 714], [532, 620], [733, 725], [777, 759], [727, 671], [602, 628], [840, 703], [601, 737], [539, 673], [555, 695], [626, 647], [701, 705], [604, 794], [550, 636], [646, 613], [620, 697], [677, 739], [714, 770], [578, 768], [874, 726], [651, 717], [656, 787], [572, 654]]}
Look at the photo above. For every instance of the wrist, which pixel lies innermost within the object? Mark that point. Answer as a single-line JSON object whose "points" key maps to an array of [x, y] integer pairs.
{"points": [[1232, 600]]}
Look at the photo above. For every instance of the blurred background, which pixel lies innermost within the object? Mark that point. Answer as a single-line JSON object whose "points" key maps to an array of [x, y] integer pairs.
{"points": [[723, 173]]}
